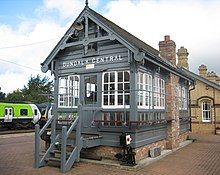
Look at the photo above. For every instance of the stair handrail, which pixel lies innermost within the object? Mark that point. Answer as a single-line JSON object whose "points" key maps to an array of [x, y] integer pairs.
{"points": [[39, 162], [66, 164]]}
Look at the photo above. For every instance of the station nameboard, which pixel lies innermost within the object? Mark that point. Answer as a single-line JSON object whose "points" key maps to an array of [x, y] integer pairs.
{"points": [[92, 60]]}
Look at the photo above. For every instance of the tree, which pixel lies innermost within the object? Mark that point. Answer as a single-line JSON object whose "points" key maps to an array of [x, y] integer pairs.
{"points": [[2, 96], [15, 96], [38, 90]]}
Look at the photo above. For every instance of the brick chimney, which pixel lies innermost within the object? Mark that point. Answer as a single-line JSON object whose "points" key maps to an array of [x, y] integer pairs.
{"points": [[167, 49], [183, 58], [203, 70]]}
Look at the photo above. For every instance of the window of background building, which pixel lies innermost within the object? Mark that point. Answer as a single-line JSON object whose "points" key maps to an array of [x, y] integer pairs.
{"points": [[206, 111]]}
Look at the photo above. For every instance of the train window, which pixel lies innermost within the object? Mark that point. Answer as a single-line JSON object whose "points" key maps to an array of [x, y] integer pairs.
{"points": [[35, 112], [10, 111], [6, 111], [23, 112]]}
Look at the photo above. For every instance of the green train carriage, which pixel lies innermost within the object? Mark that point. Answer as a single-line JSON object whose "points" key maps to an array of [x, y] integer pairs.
{"points": [[18, 114]]}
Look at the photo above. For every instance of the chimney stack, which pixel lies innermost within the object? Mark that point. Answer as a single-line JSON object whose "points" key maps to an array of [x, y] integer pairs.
{"points": [[182, 58], [167, 49], [203, 70]]}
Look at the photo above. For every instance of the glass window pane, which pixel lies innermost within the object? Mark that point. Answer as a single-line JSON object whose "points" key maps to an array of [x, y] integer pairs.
{"points": [[105, 99], [120, 99], [106, 78], [106, 119], [119, 117], [112, 88], [105, 88], [127, 86], [120, 88], [90, 89], [112, 77], [127, 99], [126, 76], [6, 111], [112, 118], [120, 76], [112, 100]]}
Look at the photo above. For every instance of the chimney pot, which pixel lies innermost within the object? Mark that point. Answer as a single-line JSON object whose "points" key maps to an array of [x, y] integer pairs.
{"points": [[167, 38]]}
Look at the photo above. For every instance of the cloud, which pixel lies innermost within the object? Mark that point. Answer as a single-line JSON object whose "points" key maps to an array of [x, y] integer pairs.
{"points": [[13, 76], [68, 8], [193, 24]]}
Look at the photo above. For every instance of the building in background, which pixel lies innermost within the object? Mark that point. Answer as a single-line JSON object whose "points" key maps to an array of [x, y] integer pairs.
{"points": [[204, 97]]}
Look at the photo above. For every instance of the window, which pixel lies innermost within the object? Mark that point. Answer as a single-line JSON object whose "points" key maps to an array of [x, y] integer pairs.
{"points": [[115, 118], [159, 93], [68, 91], [91, 49], [144, 90], [182, 93], [63, 91], [66, 118], [148, 87], [35, 112], [148, 118], [141, 90], [10, 111], [116, 88], [23, 112], [206, 111], [6, 111], [123, 88], [184, 98], [91, 89]]}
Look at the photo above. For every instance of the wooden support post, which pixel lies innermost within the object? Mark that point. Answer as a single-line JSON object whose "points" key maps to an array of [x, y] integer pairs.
{"points": [[63, 149], [78, 132]]}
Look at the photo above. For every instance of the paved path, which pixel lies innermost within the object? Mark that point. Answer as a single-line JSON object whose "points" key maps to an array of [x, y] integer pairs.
{"points": [[199, 158]]}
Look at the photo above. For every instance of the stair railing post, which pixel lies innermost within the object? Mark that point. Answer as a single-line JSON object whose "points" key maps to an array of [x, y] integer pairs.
{"points": [[53, 129], [37, 146], [63, 149], [78, 132]]}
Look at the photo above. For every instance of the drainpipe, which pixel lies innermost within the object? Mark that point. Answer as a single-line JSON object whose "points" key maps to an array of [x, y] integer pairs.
{"points": [[215, 119], [190, 119]]}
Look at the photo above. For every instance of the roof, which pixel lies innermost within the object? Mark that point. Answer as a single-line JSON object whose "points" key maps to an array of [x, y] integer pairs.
{"points": [[151, 53], [202, 79]]}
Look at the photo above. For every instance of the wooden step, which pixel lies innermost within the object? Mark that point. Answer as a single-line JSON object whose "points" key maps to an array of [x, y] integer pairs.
{"points": [[54, 159], [54, 162], [57, 153]]}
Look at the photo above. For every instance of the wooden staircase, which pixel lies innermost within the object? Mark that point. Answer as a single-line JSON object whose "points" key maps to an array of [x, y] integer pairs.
{"points": [[64, 149]]}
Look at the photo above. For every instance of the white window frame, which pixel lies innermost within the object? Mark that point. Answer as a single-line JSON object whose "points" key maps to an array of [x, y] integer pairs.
{"points": [[115, 93], [68, 87], [145, 90], [206, 110], [149, 86], [159, 93], [183, 98]]}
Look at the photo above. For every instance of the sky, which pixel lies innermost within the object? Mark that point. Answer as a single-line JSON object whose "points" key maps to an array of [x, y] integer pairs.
{"points": [[29, 30]]}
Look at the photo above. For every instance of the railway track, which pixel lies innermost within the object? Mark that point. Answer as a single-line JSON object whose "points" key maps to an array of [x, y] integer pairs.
{"points": [[6, 132]]}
